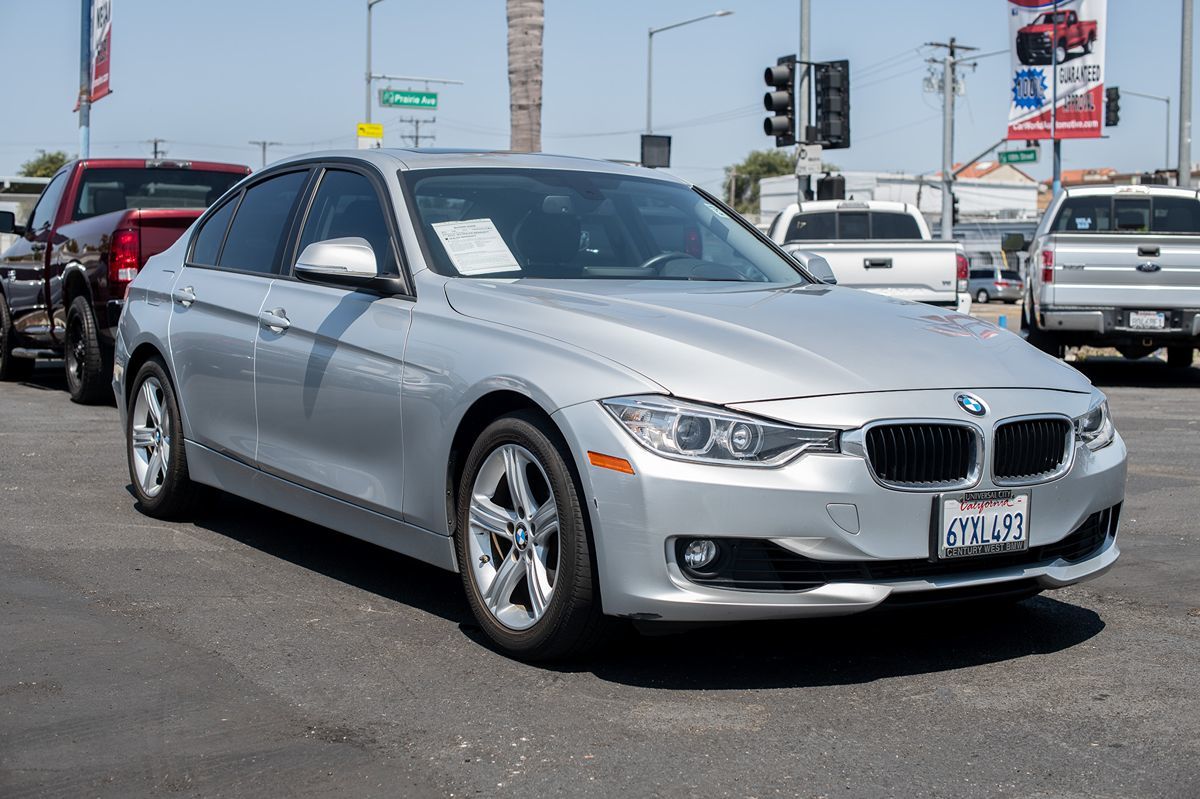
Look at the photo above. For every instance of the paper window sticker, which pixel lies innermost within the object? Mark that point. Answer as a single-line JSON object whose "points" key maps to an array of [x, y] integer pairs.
{"points": [[476, 247]]}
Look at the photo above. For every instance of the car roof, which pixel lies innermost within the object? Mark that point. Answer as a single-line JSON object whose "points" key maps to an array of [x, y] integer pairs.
{"points": [[445, 158], [1134, 191]]}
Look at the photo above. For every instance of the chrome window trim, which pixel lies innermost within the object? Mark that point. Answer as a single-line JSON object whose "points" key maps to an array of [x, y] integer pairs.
{"points": [[1068, 460], [854, 443]]}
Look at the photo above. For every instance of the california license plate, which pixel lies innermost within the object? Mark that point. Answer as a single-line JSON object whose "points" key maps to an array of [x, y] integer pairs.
{"points": [[1147, 320], [983, 523]]}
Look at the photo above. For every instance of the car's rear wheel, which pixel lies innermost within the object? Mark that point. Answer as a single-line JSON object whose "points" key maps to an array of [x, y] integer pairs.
{"points": [[982, 296], [154, 445], [1180, 357], [523, 545], [87, 379], [11, 367]]}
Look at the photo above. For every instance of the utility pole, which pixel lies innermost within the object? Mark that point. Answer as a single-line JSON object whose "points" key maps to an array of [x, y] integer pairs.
{"points": [[949, 67], [85, 79], [416, 136], [264, 145], [158, 151], [1056, 180], [803, 71], [1185, 98], [370, 4]]}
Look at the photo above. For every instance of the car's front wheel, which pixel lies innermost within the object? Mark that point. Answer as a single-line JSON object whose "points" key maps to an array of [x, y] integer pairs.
{"points": [[523, 545], [154, 445]]}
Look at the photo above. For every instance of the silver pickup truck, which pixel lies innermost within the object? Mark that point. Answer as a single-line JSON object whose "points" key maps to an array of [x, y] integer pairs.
{"points": [[1116, 266], [879, 246]]}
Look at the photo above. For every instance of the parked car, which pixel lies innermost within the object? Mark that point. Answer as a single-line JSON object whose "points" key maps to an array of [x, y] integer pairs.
{"points": [[1037, 42], [879, 246], [994, 283], [610, 427], [63, 282], [1116, 266]]}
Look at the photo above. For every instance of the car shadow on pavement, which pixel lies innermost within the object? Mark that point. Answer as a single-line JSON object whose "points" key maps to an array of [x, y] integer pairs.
{"points": [[340, 557], [49, 376], [1144, 373], [846, 650]]}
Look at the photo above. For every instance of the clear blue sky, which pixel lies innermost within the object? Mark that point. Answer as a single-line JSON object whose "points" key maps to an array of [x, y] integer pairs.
{"points": [[209, 76]]}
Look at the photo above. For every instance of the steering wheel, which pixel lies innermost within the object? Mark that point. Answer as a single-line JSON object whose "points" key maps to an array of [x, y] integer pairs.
{"points": [[657, 262]]}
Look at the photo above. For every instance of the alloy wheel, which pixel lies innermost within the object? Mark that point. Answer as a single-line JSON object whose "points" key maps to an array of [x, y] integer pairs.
{"points": [[150, 437], [76, 349], [513, 537]]}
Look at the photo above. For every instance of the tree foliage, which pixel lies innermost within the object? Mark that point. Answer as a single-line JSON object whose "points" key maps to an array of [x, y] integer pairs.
{"points": [[44, 164], [757, 165]]}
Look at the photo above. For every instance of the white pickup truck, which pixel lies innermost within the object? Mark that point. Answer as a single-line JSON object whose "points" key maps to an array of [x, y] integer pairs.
{"points": [[880, 246], [1116, 266]]}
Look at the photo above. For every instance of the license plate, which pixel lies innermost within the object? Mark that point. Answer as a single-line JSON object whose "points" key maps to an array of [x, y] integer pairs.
{"points": [[983, 523], [1147, 320]]}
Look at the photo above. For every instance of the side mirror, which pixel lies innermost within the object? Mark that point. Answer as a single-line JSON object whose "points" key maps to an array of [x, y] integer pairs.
{"points": [[8, 222], [1014, 242], [347, 262], [815, 265]]}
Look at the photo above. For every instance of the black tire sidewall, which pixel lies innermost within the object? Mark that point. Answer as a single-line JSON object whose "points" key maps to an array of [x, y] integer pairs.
{"points": [[178, 492], [575, 602], [90, 387], [11, 367]]}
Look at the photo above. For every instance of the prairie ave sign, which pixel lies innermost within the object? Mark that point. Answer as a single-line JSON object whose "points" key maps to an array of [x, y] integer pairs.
{"points": [[1029, 156], [403, 98]]}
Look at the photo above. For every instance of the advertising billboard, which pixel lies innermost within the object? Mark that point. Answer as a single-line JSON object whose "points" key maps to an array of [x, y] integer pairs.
{"points": [[1057, 68]]}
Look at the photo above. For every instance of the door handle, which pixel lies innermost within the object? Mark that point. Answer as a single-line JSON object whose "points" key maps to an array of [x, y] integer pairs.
{"points": [[37, 246], [184, 296], [877, 263], [1148, 252], [276, 320]]}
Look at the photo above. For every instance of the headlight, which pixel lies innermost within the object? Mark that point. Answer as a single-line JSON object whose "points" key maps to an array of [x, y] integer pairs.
{"points": [[1095, 429], [692, 432]]}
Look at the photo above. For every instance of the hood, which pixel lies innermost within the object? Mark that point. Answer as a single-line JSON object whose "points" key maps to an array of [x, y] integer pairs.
{"points": [[740, 342], [1040, 29]]}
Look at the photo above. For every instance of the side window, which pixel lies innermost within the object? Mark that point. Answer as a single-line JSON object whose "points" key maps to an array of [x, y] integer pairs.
{"points": [[43, 212], [346, 204], [259, 227], [979, 274], [211, 234]]}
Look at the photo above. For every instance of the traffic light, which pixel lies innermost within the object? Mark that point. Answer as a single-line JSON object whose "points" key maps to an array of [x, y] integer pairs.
{"points": [[1112, 106], [954, 209], [781, 102], [833, 104]]}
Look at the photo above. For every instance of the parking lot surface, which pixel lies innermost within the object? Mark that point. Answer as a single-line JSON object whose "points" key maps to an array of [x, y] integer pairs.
{"points": [[251, 653]]}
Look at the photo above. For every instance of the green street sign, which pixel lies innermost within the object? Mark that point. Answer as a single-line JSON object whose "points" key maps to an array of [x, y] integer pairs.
{"points": [[403, 98], [1029, 156]]}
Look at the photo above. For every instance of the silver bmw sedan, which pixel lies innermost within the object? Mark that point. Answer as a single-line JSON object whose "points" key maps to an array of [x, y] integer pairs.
{"points": [[596, 393]]}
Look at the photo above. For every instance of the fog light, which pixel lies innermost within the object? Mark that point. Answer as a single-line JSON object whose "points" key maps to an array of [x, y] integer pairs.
{"points": [[699, 553]]}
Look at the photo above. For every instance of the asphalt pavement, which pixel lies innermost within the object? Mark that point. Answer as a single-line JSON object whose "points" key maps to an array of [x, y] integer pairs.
{"points": [[250, 653]]}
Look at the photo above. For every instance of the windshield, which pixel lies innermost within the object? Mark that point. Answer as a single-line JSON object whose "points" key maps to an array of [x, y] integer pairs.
{"points": [[1048, 19], [106, 190], [564, 224]]}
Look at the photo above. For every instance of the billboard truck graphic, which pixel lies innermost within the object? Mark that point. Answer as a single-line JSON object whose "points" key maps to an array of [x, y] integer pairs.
{"points": [[1063, 39]]}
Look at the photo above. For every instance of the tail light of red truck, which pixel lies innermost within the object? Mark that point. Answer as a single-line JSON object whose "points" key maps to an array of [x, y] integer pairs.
{"points": [[124, 259]]}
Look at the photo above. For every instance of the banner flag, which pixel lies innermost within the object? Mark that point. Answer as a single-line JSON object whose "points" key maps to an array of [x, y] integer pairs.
{"points": [[1067, 32], [101, 47]]}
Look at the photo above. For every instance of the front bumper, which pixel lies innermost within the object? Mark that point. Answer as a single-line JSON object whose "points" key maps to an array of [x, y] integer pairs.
{"points": [[802, 507]]}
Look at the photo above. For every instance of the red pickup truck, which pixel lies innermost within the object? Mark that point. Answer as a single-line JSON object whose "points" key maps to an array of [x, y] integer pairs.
{"points": [[62, 284], [1036, 43]]}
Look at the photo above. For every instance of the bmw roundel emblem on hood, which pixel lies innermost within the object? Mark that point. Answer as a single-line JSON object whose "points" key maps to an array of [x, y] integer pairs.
{"points": [[971, 404]]}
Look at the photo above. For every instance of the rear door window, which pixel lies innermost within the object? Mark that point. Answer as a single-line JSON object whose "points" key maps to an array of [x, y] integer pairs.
{"points": [[211, 234], [256, 235]]}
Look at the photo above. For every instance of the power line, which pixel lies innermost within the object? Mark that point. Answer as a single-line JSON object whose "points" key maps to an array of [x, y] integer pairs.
{"points": [[264, 145], [158, 151]]}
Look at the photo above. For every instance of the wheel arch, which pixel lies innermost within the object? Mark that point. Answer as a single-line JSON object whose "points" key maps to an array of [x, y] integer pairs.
{"points": [[141, 353]]}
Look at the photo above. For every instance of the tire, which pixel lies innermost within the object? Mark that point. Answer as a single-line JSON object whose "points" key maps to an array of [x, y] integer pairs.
{"points": [[87, 377], [982, 296], [163, 491], [1091, 42], [12, 368], [1063, 52], [1046, 342], [494, 527], [1180, 357]]}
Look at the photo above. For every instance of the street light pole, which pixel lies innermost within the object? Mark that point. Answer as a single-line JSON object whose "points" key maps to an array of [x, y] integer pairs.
{"points": [[1185, 98], [650, 57], [85, 79], [370, 4], [1166, 127]]}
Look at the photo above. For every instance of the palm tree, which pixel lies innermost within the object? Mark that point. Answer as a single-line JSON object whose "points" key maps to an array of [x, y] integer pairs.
{"points": [[526, 18]]}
